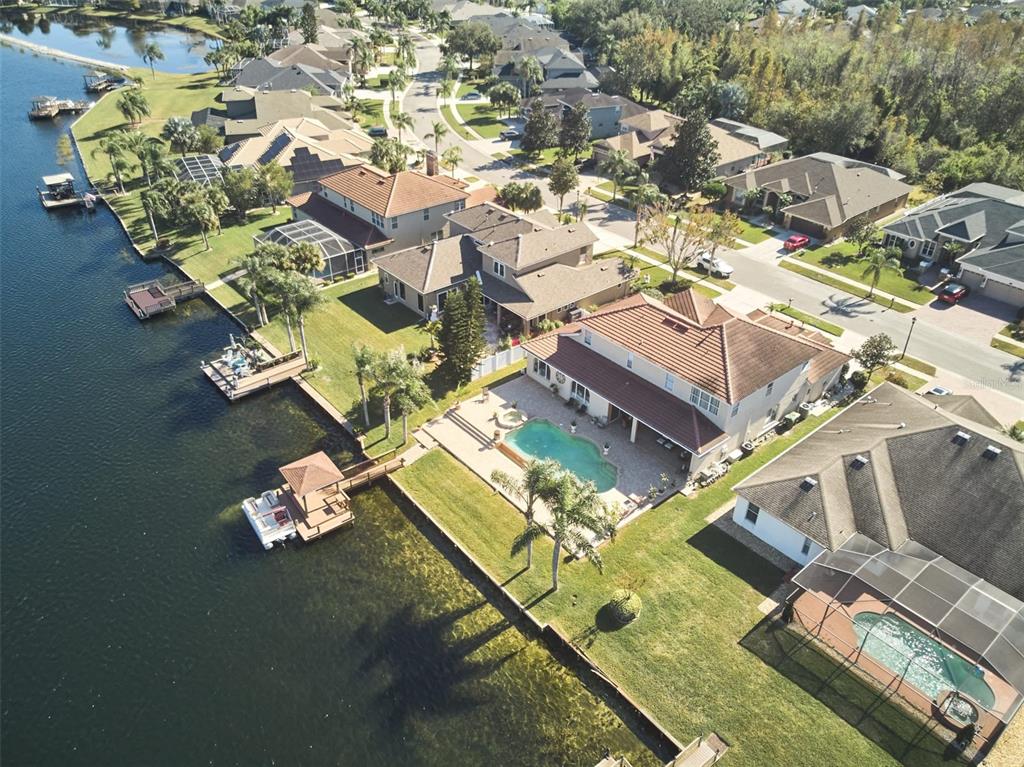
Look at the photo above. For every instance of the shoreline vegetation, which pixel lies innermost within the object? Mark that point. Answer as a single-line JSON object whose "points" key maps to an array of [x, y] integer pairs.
{"points": [[199, 24]]}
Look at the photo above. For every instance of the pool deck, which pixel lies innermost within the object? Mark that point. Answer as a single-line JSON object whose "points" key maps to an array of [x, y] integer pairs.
{"points": [[467, 432]]}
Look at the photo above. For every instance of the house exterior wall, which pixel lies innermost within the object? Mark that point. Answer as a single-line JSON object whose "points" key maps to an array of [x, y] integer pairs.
{"points": [[604, 121], [406, 230], [390, 286], [736, 167], [998, 288], [775, 533]]}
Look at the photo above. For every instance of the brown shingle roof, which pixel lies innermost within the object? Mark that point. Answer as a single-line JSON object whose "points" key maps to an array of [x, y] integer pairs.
{"points": [[536, 247], [433, 266], [556, 285], [653, 406], [395, 194], [311, 473]]}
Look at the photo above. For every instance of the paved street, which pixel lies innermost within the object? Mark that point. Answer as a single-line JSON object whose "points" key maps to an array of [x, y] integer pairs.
{"points": [[759, 278]]}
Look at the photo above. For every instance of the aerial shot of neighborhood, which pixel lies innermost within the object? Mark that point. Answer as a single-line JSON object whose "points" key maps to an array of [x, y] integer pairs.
{"points": [[583, 383]]}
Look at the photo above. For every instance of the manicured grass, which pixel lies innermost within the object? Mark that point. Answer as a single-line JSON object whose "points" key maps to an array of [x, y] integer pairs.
{"points": [[808, 319], [919, 365], [754, 234], [543, 159], [481, 117], [378, 83], [369, 112], [1014, 330], [455, 125], [465, 86], [843, 286], [842, 259], [660, 276], [882, 374], [1007, 346], [691, 658]]}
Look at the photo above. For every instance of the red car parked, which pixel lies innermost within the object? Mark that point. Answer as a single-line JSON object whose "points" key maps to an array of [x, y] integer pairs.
{"points": [[796, 241], [954, 292]]}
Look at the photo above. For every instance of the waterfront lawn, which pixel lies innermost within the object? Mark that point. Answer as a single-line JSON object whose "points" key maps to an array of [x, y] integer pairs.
{"points": [[481, 117], [842, 259], [693, 658]]}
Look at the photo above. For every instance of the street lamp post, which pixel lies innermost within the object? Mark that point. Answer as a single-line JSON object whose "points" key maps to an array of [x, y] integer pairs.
{"points": [[913, 321]]}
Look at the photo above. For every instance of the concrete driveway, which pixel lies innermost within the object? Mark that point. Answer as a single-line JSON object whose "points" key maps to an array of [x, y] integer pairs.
{"points": [[977, 318]]}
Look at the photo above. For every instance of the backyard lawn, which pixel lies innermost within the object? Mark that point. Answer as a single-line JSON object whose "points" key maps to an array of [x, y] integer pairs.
{"points": [[694, 658], [481, 117], [842, 259]]}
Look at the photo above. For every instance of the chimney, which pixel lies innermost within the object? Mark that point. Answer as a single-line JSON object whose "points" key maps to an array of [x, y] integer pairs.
{"points": [[431, 163]]}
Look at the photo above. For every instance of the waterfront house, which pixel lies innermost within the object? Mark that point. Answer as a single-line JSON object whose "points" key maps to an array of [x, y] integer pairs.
{"points": [[342, 257], [201, 168], [304, 146], [267, 74], [986, 224], [382, 212], [246, 112], [908, 517], [687, 369], [819, 194]]}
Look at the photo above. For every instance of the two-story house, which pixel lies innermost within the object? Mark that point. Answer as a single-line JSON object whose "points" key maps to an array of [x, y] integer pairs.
{"points": [[382, 212], [606, 112], [983, 224], [528, 271], [687, 369]]}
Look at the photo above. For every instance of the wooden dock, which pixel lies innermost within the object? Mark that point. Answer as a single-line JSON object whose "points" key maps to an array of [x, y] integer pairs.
{"points": [[147, 299], [48, 107], [235, 384]]}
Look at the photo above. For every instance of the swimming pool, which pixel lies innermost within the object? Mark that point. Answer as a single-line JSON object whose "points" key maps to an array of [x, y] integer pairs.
{"points": [[542, 439], [936, 668]]}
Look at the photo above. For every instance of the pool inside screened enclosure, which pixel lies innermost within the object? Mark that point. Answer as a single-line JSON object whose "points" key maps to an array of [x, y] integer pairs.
{"points": [[542, 439]]}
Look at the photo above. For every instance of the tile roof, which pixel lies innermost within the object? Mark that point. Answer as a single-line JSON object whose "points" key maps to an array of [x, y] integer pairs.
{"points": [[729, 356], [538, 246], [339, 221], [434, 266], [397, 193], [650, 404], [922, 481], [303, 144]]}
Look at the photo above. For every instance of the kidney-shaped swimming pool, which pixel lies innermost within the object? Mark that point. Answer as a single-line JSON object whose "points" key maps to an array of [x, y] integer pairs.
{"points": [[542, 439]]}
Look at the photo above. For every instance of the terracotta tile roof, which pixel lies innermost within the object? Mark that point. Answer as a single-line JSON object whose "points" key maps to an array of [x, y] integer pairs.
{"points": [[536, 247], [728, 356], [824, 362], [395, 194], [697, 307], [311, 473], [650, 404], [339, 221]]}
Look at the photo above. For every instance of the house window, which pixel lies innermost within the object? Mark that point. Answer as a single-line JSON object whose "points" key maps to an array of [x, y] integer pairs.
{"points": [[499, 268], [892, 241], [394, 222], [806, 547], [541, 369], [704, 401], [588, 339], [670, 381], [377, 220], [400, 287], [629, 360], [459, 205], [580, 392], [752, 511], [426, 214], [928, 249], [735, 410], [768, 389]]}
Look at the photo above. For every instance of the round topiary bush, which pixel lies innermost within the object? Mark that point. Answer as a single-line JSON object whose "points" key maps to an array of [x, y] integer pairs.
{"points": [[625, 606]]}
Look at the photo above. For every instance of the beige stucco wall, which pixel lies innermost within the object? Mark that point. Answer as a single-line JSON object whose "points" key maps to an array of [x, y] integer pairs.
{"points": [[412, 228]]}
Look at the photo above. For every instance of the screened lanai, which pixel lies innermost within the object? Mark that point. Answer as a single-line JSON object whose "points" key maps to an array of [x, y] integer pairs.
{"points": [[945, 640], [341, 257]]}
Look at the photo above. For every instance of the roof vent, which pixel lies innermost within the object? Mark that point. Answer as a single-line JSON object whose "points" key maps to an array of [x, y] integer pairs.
{"points": [[809, 483], [961, 438], [860, 461], [991, 452]]}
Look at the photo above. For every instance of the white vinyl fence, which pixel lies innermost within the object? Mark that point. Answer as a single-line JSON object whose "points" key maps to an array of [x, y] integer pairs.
{"points": [[497, 361]]}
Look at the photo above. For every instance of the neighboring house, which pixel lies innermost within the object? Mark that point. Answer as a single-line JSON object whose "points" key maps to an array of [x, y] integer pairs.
{"points": [[606, 112], [247, 112], [562, 68], [643, 136], [331, 53], [269, 75], [302, 145], [464, 10], [528, 272], [853, 13], [382, 212], [794, 9], [820, 193], [204, 169], [686, 369], [986, 221]]}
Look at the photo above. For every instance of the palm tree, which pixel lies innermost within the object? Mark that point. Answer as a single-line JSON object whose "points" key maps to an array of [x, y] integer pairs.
{"points": [[618, 166], [405, 50], [133, 105], [195, 207], [362, 59], [258, 282], [644, 197], [150, 55], [365, 359], [410, 396], [389, 374], [879, 261], [402, 121], [530, 74], [306, 258], [142, 146], [538, 478], [112, 145], [444, 90], [438, 132], [398, 80], [451, 158], [305, 297], [154, 203], [576, 509]]}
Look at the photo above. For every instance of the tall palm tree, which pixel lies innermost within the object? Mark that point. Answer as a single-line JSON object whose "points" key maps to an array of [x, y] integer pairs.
{"points": [[439, 129], [305, 297], [878, 261], [133, 105], [444, 90], [405, 50], [389, 373], [362, 58], [618, 166], [258, 282], [112, 145], [154, 203], [644, 197], [364, 359], [402, 121], [576, 510], [538, 479], [142, 146], [451, 158], [410, 396], [152, 53], [530, 75], [398, 80]]}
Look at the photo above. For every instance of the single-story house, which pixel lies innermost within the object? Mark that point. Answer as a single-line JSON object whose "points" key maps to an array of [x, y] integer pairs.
{"points": [[819, 194], [247, 112], [267, 74], [985, 222], [606, 112]]}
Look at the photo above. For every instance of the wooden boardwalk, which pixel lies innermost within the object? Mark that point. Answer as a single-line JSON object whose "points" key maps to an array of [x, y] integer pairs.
{"points": [[235, 387]]}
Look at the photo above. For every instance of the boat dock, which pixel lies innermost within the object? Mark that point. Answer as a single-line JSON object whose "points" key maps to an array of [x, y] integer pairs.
{"points": [[48, 107], [101, 82], [147, 299], [241, 371], [60, 192]]}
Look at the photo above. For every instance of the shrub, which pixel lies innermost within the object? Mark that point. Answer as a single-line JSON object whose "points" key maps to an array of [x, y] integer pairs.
{"points": [[896, 377], [625, 606], [505, 342], [859, 379], [714, 190]]}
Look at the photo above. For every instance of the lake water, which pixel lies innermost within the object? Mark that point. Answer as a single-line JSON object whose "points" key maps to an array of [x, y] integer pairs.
{"points": [[98, 38], [142, 622]]}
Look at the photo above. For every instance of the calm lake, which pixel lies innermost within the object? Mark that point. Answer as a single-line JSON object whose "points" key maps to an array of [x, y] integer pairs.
{"points": [[142, 622]]}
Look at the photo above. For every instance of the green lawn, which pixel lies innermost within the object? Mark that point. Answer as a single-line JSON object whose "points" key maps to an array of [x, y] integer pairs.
{"points": [[465, 86], [843, 286], [691, 274], [808, 319], [842, 259], [378, 83], [369, 112], [455, 125], [481, 117], [696, 657], [919, 365], [913, 382], [1007, 346], [1014, 330]]}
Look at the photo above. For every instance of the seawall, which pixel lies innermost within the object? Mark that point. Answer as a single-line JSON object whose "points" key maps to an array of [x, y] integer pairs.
{"points": [[46, 51]]}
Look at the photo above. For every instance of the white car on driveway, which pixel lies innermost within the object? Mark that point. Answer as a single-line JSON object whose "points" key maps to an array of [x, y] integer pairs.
{"points": [[713, 265]]}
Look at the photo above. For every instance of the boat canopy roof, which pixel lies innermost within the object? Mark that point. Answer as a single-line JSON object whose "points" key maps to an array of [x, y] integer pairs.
{"points": [[312, 473], [58, 178]]}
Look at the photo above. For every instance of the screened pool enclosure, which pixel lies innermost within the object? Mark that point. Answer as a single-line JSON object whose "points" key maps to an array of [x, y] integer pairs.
{"points": [[341, 257]]}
